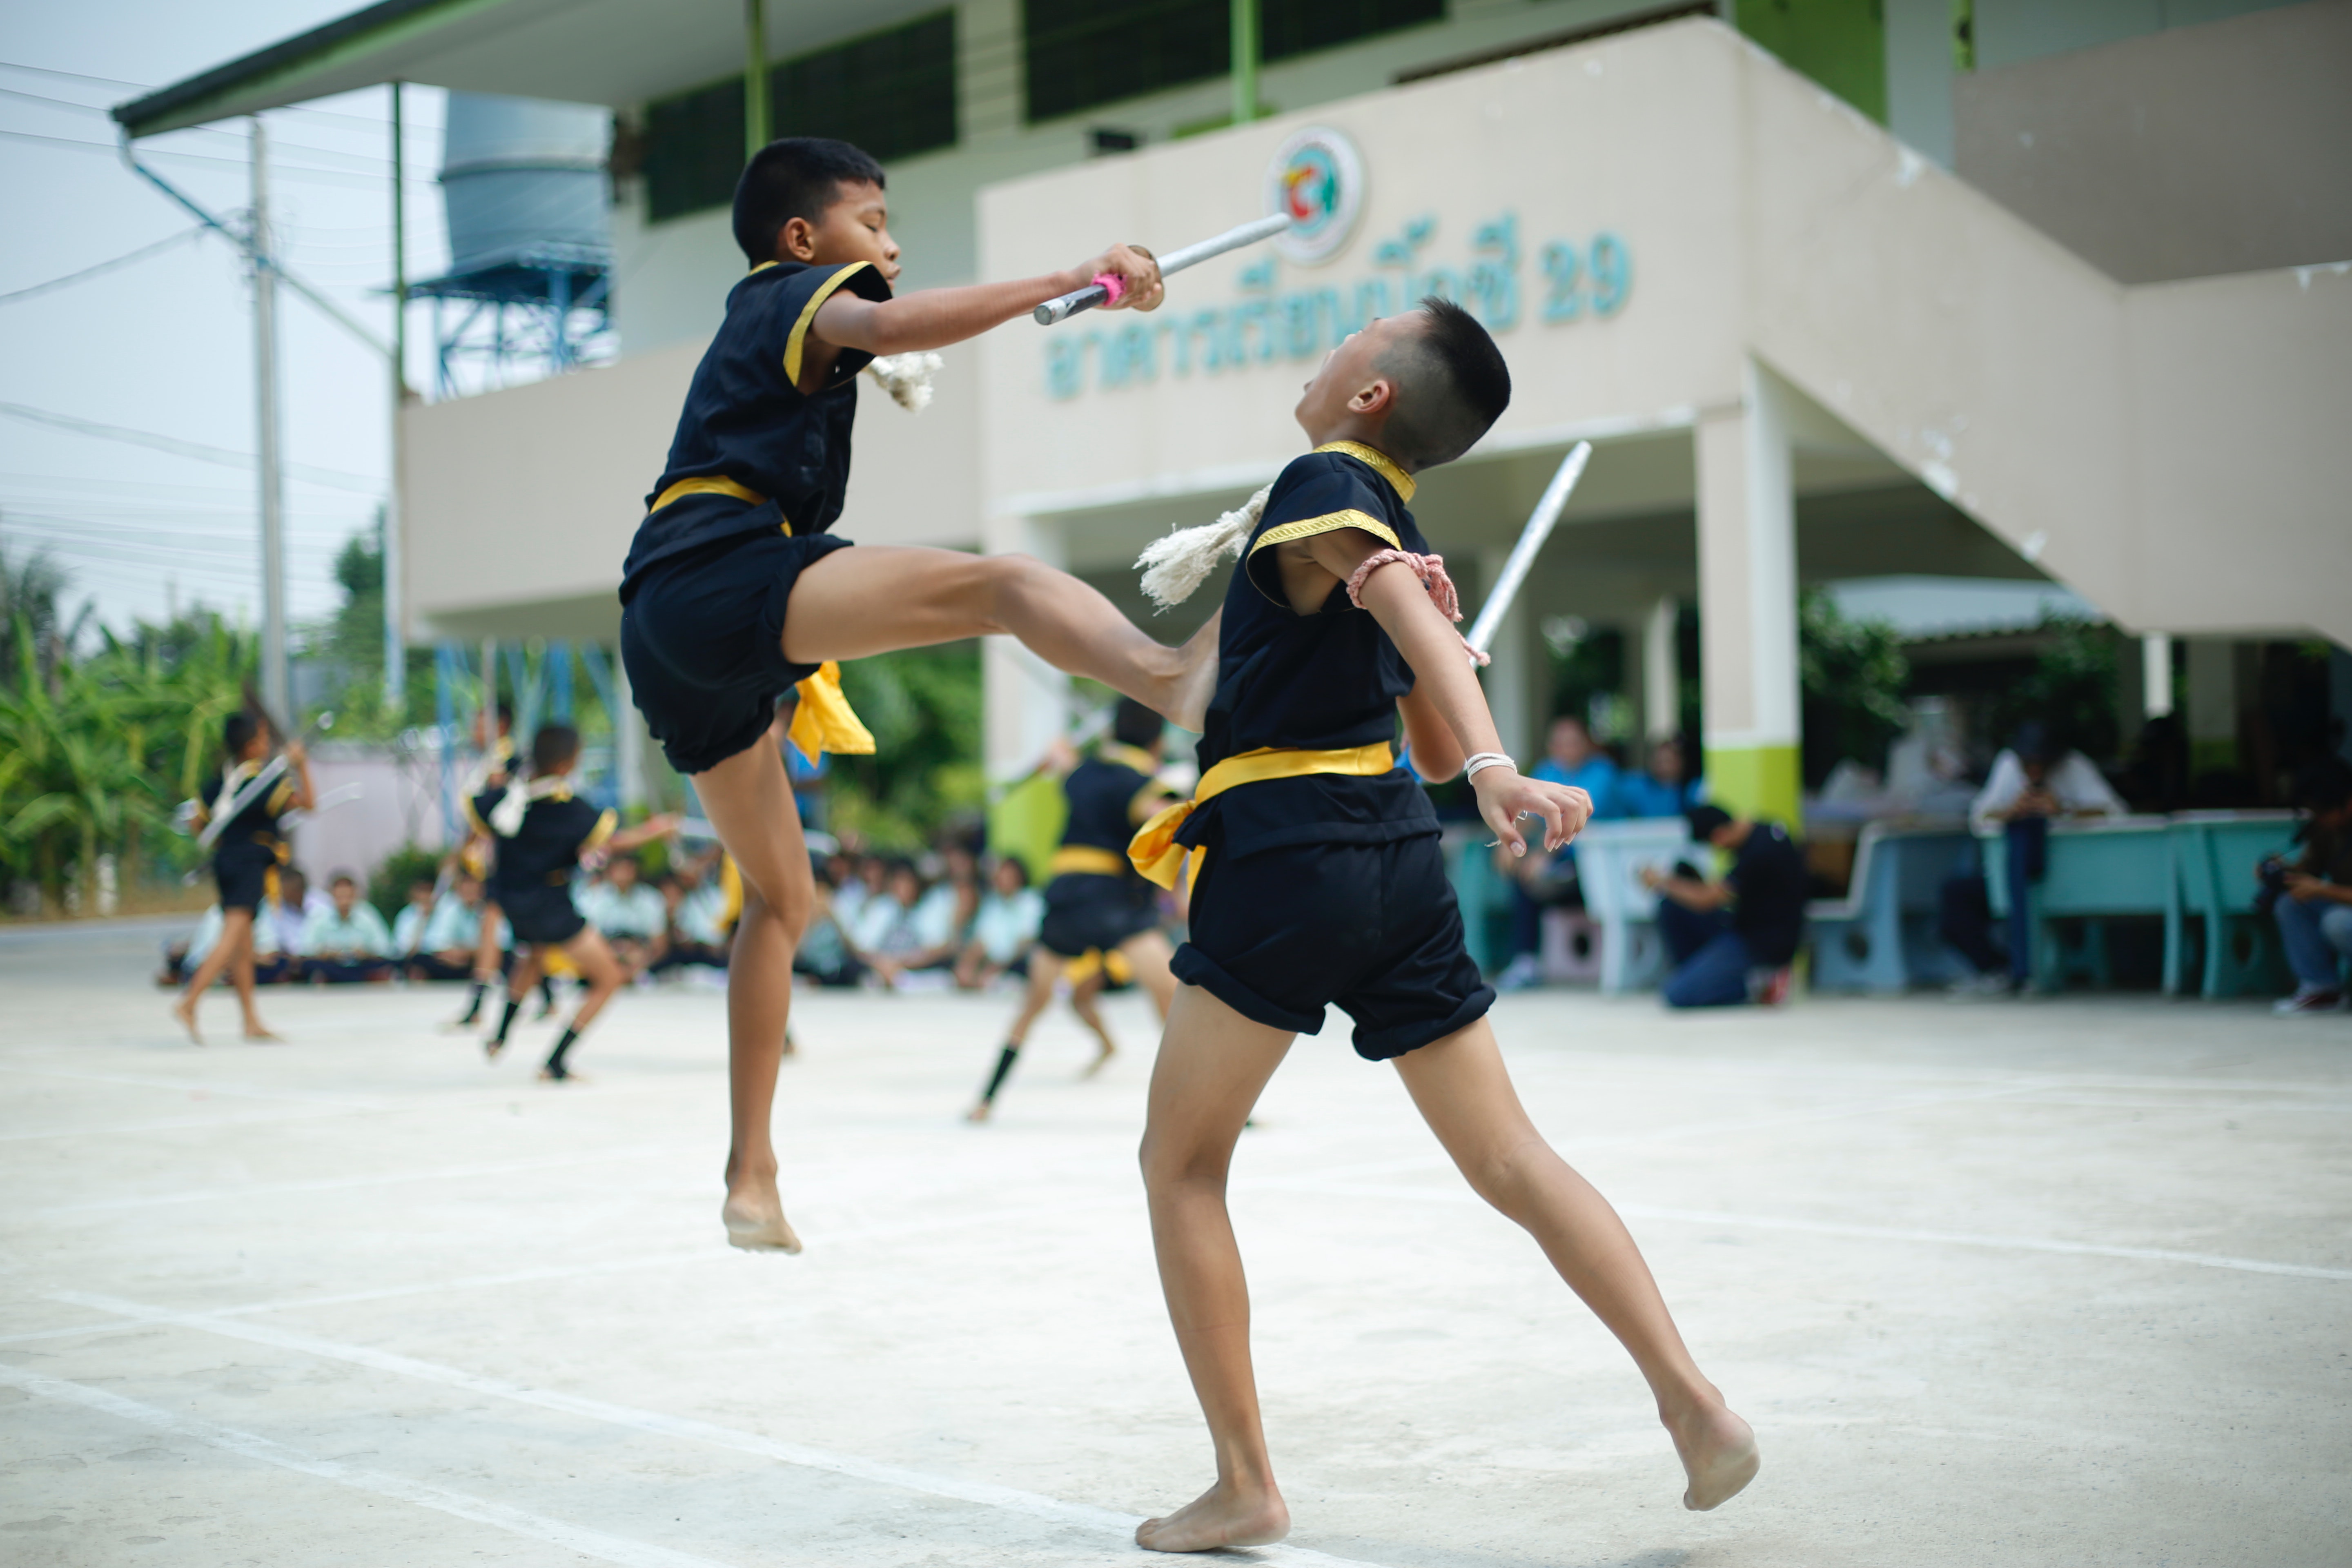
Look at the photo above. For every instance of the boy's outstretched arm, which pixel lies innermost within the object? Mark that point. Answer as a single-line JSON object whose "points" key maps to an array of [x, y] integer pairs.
{"points": [[934, 318], [1443, 681]]}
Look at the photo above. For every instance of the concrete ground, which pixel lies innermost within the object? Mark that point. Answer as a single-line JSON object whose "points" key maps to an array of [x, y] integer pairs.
{"points": [[2054, 1283]]}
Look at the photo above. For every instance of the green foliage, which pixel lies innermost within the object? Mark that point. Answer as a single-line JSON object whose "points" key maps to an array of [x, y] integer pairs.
{"points": [[923, 706], [387, 885], [96, 749], [1852, 675], [2073, 690]]}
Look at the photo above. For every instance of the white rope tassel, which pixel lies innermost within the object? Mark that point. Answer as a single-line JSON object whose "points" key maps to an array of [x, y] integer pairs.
{"points": [[907, 378], [1179, 562], [506, 817]]}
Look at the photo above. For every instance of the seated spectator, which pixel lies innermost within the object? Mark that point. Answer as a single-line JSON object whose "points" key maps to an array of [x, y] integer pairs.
{"points": [[824, 954], [452, 935], [1733, 941], [346, 941], [955, 898], [629, 915], [2033, 781], [862, 876], [702, 922], [1543, 881], [899, 931], [408, 926], [1669, 787], [289, 912], [1005, 928], [2315, 894], [181, 958]]}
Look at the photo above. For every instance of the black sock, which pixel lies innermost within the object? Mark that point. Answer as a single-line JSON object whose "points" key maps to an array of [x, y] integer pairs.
{"points": [[547, 990], [506, 1021], [474, 1002], [564, 1042], [1004, 1061]]}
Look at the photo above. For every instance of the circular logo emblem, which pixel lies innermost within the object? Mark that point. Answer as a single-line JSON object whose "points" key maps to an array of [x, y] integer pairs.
{"points": [[1318, 178]]}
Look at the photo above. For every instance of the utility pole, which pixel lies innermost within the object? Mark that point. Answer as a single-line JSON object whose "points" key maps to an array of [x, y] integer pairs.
{"points": [[277, 683], [755, 77], [1244, 20], [396, 640]]}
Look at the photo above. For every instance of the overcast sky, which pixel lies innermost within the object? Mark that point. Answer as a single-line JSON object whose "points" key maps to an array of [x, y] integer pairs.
{"points": [[164, 345]]}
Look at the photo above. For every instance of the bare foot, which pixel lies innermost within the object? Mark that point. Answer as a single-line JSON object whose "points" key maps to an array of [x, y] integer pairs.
{"points": [[1221, 1516], [1718, 1454], [978, 1112], [258, 1034], [1196, 679], [1102, 1061], [184, 1010], [758, 1225]]}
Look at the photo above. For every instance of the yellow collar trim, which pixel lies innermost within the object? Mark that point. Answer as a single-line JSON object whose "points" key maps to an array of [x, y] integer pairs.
{"points": [[762, 267], [1134, 757], [1378, 462]]}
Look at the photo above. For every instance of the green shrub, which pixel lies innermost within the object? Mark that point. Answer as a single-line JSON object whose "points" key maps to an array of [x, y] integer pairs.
{"points": [[387, 886]]}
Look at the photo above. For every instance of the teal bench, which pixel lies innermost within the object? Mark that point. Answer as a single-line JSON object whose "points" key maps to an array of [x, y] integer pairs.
{"points": [[2214, 854], [2097, 869]]}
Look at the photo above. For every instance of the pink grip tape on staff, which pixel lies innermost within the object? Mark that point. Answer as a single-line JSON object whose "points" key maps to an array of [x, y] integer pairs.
{"points": [[1108, 288], [1112, 285]]}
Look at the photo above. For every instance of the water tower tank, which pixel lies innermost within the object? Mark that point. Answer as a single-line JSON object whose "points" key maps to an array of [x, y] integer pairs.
{"points": [[521, 175]]}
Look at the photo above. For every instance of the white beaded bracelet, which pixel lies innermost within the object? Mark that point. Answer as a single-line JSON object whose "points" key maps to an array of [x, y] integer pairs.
{"points": [[1487, 760]]}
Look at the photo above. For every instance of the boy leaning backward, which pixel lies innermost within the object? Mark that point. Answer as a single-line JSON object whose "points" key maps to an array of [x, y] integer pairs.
{"points": [[735, 592], [1317, 880]]}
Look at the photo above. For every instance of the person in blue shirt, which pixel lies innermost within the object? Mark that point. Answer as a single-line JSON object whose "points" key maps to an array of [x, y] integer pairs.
{"points": [[1571, 757], [1668, 788]]}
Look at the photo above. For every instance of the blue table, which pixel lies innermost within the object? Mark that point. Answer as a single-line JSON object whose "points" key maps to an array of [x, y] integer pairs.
{"points": [[1881, 937], [2096, 868], [2214, 854]]}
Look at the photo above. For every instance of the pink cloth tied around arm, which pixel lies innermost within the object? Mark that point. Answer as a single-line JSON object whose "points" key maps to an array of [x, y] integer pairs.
{"points": [[1430, 570], [1113, 285]]}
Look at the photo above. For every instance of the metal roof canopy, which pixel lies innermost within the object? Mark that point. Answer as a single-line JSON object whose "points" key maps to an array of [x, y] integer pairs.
{"points": [[617, 53]]}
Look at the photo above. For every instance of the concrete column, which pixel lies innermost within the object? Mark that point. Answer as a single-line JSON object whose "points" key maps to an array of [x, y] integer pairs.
{"points": [[1748, 604], [1027, 701], [1515, 680], [2212, 704], [2156, 674], [1662, 675]]}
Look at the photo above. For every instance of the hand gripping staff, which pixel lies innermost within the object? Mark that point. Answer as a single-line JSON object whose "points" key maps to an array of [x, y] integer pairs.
{"points": [[1107, 287], [253, 789]]}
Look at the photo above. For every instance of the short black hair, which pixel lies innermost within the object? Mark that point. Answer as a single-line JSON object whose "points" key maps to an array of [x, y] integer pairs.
{"points": [[506, 713], [797, 177], [1136, 725], [340, 879], [1452, 385], [237, 732], [1704, 819], [2324, 785], [553, 749]]}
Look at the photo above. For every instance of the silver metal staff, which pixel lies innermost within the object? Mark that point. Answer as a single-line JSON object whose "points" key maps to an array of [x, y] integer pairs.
{"points": [[1175, 261], [1532, 539]]}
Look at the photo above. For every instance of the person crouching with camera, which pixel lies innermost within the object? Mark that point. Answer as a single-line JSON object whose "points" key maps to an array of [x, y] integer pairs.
{"points": [[2312, 895]]}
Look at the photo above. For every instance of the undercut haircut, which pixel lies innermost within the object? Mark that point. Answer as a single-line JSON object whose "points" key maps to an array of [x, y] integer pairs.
{"points": [[237, 732], [1136, 725], [797, 177], [1452, 385], [553, 749]]}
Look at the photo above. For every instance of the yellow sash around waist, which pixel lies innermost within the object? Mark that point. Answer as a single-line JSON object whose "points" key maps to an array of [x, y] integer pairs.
{"points": [[1085, 860], [1154, 850], [823, 721]]}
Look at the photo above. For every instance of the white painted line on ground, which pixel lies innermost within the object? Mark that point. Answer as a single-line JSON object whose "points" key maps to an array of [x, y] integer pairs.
{"points": [[182, 1124], [344, 1183], [577, 1538], [1834, 1227], [1034, 1505]]}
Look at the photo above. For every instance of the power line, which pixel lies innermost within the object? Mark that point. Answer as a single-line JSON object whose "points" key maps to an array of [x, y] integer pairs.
{"points": [[103, 268], [334, 479], [301, 109], [292, 171]]}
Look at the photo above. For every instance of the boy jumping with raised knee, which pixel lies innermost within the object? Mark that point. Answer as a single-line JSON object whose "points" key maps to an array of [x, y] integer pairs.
{"points": [[1317, 880], [735, 592]]}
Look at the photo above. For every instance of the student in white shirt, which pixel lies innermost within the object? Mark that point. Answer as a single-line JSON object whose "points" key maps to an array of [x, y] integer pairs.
{"points": [[346, 941], [2034, 782], [408, 926], [1005, 929], [630, 915], [447, 947]]}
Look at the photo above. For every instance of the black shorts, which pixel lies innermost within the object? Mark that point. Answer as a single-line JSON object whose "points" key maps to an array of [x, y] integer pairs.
{"points": [[702, 638], [241, 872], [540, 914], [1281, 934], [1092, 912]]}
